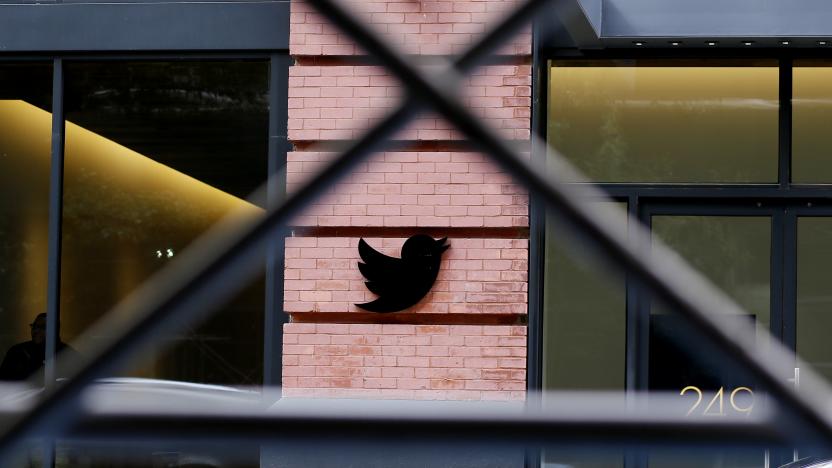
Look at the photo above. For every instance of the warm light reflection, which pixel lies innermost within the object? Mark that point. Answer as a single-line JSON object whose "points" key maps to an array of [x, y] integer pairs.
{"points": [[120, 207], [812, 96], [24, 184], [632, 122], [23, 130]]}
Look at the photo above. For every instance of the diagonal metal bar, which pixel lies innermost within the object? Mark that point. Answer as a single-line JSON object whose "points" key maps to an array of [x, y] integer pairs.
{"points": [[191, 289], [663, 271], [209, 270]]}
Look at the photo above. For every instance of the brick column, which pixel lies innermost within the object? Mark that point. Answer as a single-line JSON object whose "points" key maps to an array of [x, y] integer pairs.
{"points": [[466, 340]]}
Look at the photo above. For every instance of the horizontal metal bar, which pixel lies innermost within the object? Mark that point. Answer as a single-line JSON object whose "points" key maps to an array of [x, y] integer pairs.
{"points": [[368, 432], [714, 191], [136, 409]]}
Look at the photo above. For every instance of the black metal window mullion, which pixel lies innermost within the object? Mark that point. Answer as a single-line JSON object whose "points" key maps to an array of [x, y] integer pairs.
{"points": [[537, 225], [789, 324], [633, 339], [274, 316], [533, 458], [778, 274], [785, 124], [56, 180]]}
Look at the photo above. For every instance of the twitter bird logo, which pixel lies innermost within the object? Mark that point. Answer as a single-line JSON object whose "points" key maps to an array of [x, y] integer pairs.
{"points": [[400, 283]]}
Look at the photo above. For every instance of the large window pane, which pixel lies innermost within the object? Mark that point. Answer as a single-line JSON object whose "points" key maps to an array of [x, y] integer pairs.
{"points": [[25, 140], [668, 122], [814, 293], [734, 252], [584, 326], [584, 320], [156, 153], [811, 111]]}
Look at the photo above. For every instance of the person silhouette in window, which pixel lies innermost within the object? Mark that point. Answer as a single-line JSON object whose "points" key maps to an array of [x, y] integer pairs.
{"points": [[24, 359]]}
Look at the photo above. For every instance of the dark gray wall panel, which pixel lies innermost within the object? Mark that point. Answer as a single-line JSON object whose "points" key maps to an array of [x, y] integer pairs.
{"points": [[577, 22], [716, 18], [144, 26], [592, 10]]}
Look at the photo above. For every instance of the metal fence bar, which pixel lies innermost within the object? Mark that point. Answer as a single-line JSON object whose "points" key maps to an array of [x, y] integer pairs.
{"points": [[662, 271], [199, 280], [494, 432]]}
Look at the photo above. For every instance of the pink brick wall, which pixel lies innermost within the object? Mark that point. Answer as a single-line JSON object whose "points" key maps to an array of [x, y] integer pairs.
{"points": [[423, 362], [476, 276], [442, 189], [433, 186], [339, 102], [418, 27]]}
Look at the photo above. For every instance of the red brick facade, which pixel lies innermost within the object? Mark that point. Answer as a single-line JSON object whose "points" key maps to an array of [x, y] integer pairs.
{"points": [[466, 340], [423, 362]]}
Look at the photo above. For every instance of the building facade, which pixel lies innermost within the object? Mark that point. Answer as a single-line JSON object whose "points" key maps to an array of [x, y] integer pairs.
{"points": [[122, 144]]}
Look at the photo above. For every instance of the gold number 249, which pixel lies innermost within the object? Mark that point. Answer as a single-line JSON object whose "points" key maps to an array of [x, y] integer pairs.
{"points": [[719, 399]]}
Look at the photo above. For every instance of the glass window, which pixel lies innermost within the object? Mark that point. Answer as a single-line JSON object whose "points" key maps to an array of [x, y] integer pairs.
{"points": [[584, 326], [156, 153], [667, 122], [25, 148], [814, 320], [584, 320], [733, 252], [811, 111]]}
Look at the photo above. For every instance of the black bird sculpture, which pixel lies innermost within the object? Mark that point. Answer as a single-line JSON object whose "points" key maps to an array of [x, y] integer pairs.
{"points": [[400, 283]]}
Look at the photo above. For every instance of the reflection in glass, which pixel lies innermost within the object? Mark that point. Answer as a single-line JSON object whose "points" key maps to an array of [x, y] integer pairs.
{"points": [[811, 111], [157, 153], [25, 140], [814, 293], [584, 326], [733, 252], [683, 121], [584, 320]]}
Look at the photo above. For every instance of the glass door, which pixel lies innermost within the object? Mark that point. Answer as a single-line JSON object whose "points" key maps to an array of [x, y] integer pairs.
{"points": [[737, 248]]}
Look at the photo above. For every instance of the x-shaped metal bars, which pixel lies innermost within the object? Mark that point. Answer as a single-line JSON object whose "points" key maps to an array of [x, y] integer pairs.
{"points": [[226, 259]]}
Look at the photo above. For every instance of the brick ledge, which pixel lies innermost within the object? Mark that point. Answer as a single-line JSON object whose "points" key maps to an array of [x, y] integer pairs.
{"points": [[405, 318], [520, 232]]}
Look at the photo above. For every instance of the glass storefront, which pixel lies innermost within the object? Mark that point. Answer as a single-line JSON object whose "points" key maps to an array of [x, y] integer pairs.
{"points": [[695, 149]]}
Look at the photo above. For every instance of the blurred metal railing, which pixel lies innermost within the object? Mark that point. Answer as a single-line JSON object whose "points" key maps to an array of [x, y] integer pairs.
{"points": [[228, 257]]}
